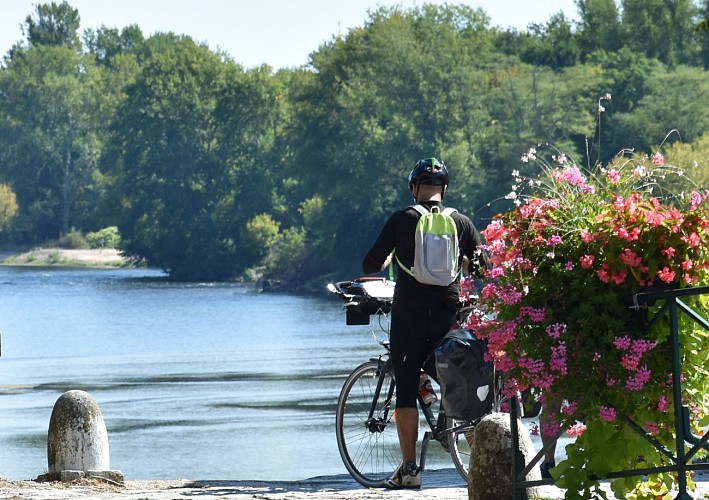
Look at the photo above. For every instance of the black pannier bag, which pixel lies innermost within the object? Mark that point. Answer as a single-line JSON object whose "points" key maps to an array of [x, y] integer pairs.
{"points": [[467, 381]]}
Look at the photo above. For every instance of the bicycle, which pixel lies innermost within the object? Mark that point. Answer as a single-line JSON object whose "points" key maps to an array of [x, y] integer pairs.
{"points": [[364, 422]]}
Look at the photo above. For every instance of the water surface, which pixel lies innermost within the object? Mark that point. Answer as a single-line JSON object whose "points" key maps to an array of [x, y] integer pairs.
{"points": [[198, 381]]}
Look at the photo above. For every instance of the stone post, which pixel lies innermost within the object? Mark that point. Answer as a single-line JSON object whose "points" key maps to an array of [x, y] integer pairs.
{"points": [[77, 443], [490, 476]]}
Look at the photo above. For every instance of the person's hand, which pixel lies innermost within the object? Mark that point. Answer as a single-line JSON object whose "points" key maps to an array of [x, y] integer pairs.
{"points": [[387, 261], [466, 265]]}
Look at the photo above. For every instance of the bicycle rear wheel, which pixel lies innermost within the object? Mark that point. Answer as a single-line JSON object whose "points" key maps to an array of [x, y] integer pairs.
{"points": [[366, 433], [459, 444], [460, 439]]}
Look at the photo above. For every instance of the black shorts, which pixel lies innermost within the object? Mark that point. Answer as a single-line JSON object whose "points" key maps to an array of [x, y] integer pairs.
{"points": [[415, 332]]}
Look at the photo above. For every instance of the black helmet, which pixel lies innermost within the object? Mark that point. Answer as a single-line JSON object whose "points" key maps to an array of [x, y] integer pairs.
{"points": [[430, 171]]}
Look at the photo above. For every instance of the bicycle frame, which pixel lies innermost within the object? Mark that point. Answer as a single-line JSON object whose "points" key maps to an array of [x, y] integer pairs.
{"points": [[376, 413], [436, 423]]}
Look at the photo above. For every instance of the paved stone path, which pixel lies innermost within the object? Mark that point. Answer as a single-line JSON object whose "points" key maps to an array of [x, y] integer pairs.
{"points": [[443, 484]]}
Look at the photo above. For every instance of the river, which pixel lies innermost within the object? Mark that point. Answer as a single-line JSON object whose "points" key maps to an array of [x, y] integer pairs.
{"points": [[194, 380]]}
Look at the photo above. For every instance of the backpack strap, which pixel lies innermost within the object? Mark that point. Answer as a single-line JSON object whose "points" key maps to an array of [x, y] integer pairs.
{"points": [[419, 208]]}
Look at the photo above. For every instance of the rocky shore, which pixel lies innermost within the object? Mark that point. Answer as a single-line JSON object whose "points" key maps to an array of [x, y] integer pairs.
{"points": [[443, 484]]}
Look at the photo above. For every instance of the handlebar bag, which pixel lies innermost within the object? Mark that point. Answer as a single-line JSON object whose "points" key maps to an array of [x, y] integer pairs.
{"points": [[466, 379]]}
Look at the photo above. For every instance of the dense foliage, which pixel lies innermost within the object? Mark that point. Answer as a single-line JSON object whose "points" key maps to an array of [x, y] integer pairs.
{"points": [[567, 261], [213, 171]]}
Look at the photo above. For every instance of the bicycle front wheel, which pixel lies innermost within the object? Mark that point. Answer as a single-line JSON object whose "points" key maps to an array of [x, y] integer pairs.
{"points": [[366, 432]]}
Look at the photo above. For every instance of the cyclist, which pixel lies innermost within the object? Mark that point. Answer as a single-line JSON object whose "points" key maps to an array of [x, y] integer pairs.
{"points": [[421, 314]]}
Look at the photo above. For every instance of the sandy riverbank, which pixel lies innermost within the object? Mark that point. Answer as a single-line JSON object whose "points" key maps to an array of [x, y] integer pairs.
{"points": [[100, 257]]}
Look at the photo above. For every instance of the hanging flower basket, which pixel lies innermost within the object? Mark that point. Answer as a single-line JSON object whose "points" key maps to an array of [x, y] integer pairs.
{"points": [[566, 261]]}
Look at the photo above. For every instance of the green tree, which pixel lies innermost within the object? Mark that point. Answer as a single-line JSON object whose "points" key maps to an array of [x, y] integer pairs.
{"points": [[105, 44], [189, 159], [260, 236], [701, 32], [55, 25], [403, 87], [624, 75], [670, 103], [693, 158], [49, 137], [554, 45], [8, 206], [660, 29], [599, 26]]}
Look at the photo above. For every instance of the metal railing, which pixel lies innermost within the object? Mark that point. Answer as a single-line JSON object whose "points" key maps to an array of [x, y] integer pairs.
{"points": [[681, 456]]}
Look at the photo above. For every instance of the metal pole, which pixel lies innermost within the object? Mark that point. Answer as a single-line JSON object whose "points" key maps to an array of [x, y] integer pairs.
{"points": [[677, 394]]}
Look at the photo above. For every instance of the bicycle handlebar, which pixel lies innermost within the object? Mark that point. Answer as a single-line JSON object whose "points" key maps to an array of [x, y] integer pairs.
{"points": [[374, 295]]}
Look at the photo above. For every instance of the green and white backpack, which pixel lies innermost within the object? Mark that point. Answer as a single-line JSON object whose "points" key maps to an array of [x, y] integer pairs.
{"points": [[436, 249]]}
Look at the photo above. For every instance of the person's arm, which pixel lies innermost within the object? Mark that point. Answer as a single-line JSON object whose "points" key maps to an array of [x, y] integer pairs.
{"points": [[379, 256], [478, 260], [371, 266]]}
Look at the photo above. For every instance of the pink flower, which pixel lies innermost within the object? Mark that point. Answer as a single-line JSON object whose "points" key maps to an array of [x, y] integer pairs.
{"points": [[666, 274], [576, 430], [689, 278], [654, 219], [603, 275], [662, 404], [569, 408], [695, 200], [630, 258], [572, 175], [538, 315], [550, 427], [622, 343], [496, 272], [693, 239], [587, 261], [619, 277], [630, 361], [668, 252], [555, 330], [558, 358], [641, 346], [658, 159], [554, 240], [586, 236], [638, 381], [652, 428], [608, 413], [613, 176]]}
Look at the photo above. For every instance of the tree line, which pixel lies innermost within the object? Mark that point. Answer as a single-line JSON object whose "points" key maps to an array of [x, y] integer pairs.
{"points": [[211, 171]]}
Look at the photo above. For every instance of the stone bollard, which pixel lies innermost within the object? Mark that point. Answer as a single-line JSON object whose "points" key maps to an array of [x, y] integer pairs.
{"points": [[490, 476], [77, 443]]}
